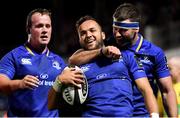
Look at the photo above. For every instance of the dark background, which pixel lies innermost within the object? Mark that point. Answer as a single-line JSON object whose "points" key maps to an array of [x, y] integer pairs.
{"points": [[160, 22]]}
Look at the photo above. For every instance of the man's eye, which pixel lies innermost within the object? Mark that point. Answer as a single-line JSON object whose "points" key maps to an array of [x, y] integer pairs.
{"points": [[123, 30], [39, 25], [83, 33], [93, 30], [48, 26]]}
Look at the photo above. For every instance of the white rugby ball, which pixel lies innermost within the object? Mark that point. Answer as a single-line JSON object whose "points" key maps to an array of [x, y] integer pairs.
{"points": [[73, 95]]}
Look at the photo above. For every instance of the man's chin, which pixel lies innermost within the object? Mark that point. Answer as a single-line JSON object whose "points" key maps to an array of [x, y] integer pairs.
{"points": [[44, 42]]}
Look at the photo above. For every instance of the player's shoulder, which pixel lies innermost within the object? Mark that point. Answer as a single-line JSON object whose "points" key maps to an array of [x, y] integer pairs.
{"points": [[127, 52], [55, 55], [127, 55], [151, 47], [13, 54], [150, 44], [17, 51]]}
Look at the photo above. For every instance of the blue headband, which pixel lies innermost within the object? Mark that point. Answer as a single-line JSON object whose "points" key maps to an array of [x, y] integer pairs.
{"points": [[131, 25]]}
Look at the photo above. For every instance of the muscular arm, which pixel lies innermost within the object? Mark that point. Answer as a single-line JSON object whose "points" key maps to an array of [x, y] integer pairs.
{"points": [[82, 56], [146, 90], [168, 96], [7, 86], [53, 99]]}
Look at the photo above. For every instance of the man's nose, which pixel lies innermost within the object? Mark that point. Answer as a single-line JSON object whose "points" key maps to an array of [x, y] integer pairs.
{"points": [[117, 34], [44, 30], [89, 34]]}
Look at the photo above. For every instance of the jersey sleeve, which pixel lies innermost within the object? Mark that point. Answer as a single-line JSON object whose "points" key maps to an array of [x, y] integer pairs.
{"points": [[135, 67], [161, 66], [7, 65]]}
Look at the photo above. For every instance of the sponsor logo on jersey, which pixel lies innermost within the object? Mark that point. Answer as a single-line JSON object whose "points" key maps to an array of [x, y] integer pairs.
{"points": [[101, 76], [138, 61], [122, 77], [44, 76], [165, 59], [46, 83], [26, 61], [145, 60], [56, 65], [85, 68]]}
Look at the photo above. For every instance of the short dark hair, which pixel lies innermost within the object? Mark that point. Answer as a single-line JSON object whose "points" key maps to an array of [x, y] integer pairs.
{"points": [[127, 11], [85, 18], [29, 16]]}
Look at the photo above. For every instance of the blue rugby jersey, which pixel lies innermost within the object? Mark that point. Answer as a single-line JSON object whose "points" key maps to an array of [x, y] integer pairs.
{"points": [[155, 65], [110, 85], [23, 61]]}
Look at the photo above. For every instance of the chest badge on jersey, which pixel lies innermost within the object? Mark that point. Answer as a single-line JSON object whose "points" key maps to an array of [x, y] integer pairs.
{"points": [[56, 65], [26, 61]]}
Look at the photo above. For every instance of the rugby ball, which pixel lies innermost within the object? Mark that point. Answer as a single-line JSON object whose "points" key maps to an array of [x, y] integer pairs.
{"points": [[73, 95]]}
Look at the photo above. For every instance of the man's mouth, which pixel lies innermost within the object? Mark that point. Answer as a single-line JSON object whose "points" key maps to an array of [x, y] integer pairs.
{"points": [[44, 37]]}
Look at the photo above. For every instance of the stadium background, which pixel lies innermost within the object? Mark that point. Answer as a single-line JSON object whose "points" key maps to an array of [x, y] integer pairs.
{"points": [[160, 23]]}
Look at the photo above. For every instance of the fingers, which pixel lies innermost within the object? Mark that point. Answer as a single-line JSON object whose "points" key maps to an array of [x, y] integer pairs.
{"points": [[69, 68], [73, 71], [71, 76], [76, 85], [30, 82], [78, 81], [112, 52]]}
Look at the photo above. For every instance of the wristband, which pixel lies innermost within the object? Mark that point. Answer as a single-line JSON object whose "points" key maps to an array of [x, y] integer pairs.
{"points": [[57, 85], [154, 115]]}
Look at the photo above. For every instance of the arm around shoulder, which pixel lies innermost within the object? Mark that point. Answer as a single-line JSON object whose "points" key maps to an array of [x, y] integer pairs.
{"points": [[82, 56]]}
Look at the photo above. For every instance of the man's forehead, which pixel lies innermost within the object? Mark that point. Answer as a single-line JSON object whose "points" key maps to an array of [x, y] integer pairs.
{"points": [[123, 21]]}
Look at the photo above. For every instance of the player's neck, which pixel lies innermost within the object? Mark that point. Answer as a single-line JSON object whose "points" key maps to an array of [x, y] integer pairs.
{"points": [[39, 49], [136, 37]]}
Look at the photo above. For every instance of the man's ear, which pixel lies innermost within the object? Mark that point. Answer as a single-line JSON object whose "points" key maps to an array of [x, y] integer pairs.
{"points": [[103, 35]]}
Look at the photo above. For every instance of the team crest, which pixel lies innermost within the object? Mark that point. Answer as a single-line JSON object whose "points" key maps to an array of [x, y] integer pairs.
{"points": [[56, 65], [138, 61]]}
